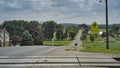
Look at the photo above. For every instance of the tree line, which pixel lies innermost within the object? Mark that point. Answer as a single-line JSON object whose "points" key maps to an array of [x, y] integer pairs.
{"points": [[34, 33]]}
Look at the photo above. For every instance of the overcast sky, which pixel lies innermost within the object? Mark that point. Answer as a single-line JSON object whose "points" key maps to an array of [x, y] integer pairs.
{"points": [[61, 11]]}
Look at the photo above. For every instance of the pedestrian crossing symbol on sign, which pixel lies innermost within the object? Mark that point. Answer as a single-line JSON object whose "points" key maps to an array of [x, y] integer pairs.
{"points": [[94, 28]]}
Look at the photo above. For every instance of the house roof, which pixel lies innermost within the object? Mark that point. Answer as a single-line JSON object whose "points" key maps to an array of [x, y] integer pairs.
{"points": [[1, 31]]}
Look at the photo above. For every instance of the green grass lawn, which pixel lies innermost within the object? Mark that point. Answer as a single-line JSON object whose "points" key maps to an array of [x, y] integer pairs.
{"points": [[101, 47], [57, 43]]}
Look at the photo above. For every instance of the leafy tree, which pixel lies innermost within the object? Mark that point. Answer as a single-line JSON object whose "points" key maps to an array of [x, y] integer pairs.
{"points": [[59, 32], [116, 28], [92, 38], [111, 33], [84, 27], [83, 37], [26, 38], [35, 30], [15, 39], [65, 34], [104, 34], [15, 27], [48, 29], [72, 31]]}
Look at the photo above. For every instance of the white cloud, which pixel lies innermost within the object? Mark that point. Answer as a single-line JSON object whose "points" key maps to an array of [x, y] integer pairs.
{"points": [[2, 2], [14, 5], [82, 6], [42, 6], [41, 0], [62, 11]]}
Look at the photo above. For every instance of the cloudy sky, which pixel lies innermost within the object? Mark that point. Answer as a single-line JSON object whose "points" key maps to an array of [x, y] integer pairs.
{"points": [[61, 11]]}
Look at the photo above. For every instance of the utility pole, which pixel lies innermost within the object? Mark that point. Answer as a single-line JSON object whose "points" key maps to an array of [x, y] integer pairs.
{"points": [[107, 40], [4, 41], [106, 15]]}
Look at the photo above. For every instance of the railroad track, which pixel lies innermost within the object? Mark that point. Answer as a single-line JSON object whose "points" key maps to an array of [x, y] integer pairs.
{"points": [[73, 61]]}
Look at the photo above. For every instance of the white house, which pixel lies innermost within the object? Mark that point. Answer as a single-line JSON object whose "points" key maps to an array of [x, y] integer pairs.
{"points": [[4, 38]]}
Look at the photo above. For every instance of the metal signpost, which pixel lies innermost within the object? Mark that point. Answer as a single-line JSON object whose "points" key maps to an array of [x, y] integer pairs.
{"points": [[94, 28], [53, 42]]}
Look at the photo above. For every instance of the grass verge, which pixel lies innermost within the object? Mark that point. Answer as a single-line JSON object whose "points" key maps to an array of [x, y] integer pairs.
{"points": [[57, 43], [100, 47]]}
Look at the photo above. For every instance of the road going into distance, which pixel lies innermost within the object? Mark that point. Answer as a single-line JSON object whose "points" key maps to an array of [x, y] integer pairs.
{"points": [[54, 57], [34, 50]]}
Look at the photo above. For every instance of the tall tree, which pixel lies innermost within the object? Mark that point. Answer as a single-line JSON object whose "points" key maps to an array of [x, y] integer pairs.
{"points": [[116, 28], [59, 32], [85, 28], [35, 30], [26, 39], [72, 31], [48, 29], [15, 39], [15, 27]]}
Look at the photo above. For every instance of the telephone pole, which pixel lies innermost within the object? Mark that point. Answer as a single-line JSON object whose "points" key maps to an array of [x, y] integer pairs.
{"points": [[106, 15]]}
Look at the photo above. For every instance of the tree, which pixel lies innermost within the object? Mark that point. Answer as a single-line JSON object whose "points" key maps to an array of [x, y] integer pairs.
{"points": [[104, 34], [59, 32], [111, 33], [72, 31], [26, 38], [83, 37], [116, 28], [92, 38], [65, 34], [48, 29], [15, 39], [84, 27], [35, 30], [15, 27]]}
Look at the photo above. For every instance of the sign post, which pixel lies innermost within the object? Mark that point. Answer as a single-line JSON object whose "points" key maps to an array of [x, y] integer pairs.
{"points": [[53, 42], [94, 29]]}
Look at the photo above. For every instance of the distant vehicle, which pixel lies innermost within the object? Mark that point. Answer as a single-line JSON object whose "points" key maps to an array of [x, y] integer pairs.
{"points": [[75, 44]]}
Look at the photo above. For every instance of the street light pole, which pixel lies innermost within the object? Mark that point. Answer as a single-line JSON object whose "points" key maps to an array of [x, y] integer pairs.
{"points": [[107, 40], [106, 10]]}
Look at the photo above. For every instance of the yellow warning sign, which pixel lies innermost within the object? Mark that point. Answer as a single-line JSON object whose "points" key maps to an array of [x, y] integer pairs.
{"points": [[94, 28]]}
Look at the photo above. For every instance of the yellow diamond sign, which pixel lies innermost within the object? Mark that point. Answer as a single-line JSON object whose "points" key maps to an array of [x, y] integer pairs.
{"points": [[94, 28]]}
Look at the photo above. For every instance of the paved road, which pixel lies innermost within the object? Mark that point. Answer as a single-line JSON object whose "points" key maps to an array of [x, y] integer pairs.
{"points": [[72, 44], [25, 50], [77, 40]]}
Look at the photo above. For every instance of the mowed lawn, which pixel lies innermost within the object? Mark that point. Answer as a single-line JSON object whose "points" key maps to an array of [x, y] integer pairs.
{"points": [[101, 47], [56, 43]]}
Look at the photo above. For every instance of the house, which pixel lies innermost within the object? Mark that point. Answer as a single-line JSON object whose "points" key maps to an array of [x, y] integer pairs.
{"points": [[4, 38]]}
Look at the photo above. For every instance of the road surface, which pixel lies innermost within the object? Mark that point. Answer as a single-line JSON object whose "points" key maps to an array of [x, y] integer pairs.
{"points": [[25, 50]]}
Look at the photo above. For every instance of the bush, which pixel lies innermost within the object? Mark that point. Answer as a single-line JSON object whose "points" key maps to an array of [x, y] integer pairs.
{"points": [[92, 37], [26, 39], [83, 37], [37, 42], [26, 43]]}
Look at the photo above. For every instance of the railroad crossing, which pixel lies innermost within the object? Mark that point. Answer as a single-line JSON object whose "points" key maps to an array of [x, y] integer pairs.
{"points": [[58, 62]]}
